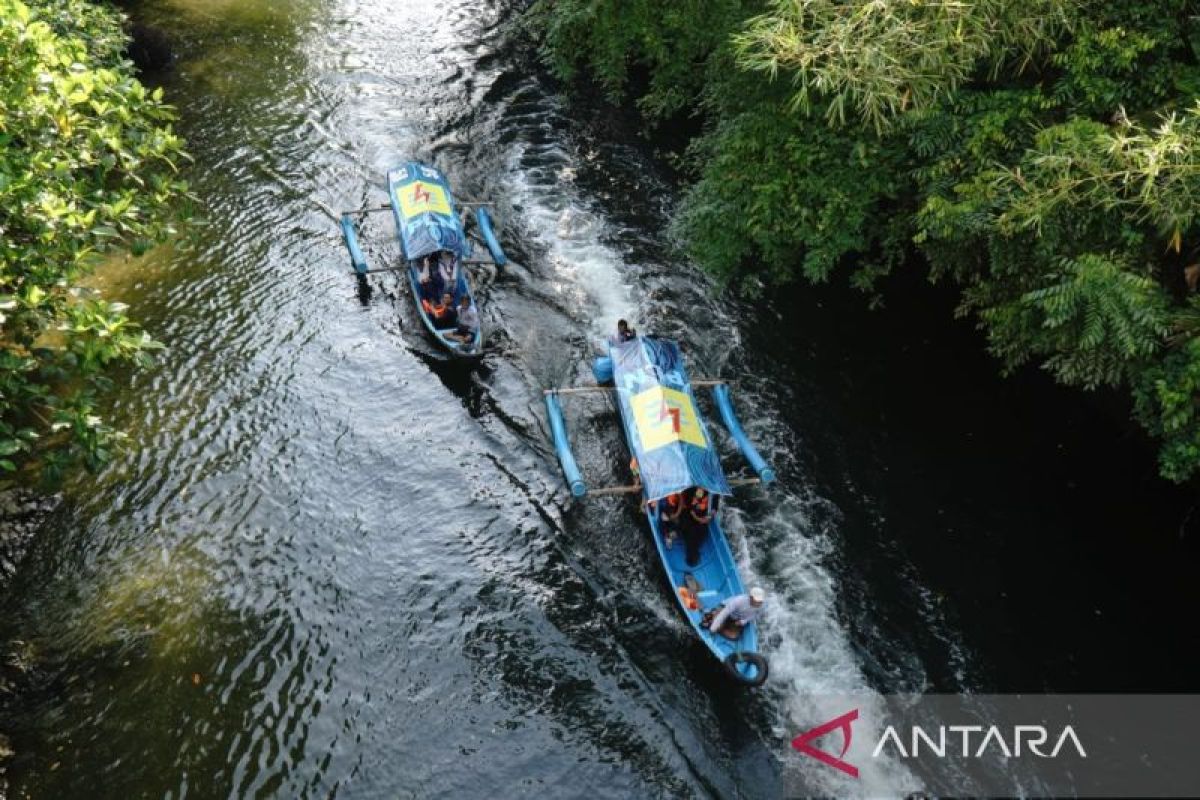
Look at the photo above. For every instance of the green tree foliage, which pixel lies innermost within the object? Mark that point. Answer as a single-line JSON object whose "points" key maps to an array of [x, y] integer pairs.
{"points": [[880, 59], [1040, 154], [87, 164], [677, 45], [802, 197]]}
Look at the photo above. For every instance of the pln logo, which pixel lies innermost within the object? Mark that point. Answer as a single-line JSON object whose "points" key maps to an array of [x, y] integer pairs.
{"points": [[803, 743], [420, 194]]}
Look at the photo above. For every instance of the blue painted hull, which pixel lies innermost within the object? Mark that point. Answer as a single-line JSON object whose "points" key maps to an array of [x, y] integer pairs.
{"points": [[717, 575], [451, 346], [450, 229]]}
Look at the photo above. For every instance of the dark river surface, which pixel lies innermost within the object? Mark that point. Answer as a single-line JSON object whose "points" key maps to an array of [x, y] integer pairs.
{"points": [[330, 565]]}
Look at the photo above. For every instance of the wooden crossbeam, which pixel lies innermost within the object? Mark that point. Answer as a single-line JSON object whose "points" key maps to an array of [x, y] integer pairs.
{"points": [[371, 210], [611, 490], [381, 269], [580, 390]]}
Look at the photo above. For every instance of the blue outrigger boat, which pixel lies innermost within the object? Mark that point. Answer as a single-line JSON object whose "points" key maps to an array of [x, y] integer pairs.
{"points": [[668, 437], [428, 225]]}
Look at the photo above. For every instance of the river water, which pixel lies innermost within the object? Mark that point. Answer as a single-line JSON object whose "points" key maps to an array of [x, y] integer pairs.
{"points": [[329, 564]]}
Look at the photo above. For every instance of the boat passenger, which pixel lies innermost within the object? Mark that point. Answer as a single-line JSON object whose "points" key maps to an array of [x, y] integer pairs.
{"points": [[430, 281], [468, 320], [701, 507], [447, 270], [735, 614], [669, 511], [442, 314], [624, 332]]}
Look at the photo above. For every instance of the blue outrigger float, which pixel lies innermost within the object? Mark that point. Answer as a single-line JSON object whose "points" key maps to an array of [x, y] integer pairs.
{"points": [[670, 442], [427, 224]]}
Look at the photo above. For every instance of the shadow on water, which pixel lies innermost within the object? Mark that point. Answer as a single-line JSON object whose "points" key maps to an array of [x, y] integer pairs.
{"points": [[1026, 516]]}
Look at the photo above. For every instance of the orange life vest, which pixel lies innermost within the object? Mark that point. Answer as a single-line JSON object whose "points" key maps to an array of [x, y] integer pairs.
{"points": [[700, 505], [437, 311], [689, 599], [672, 501]]}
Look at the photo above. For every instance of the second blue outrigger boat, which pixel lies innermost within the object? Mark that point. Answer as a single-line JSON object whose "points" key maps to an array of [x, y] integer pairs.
{"points": [[428, 225], [668, 437]]}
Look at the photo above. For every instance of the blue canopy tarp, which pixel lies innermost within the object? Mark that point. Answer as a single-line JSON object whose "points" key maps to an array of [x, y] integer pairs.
{"points": [[665, 431], [424, 209]]}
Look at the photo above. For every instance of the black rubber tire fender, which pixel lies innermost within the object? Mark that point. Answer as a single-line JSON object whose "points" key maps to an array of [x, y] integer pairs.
{"points": [[760, 668]]}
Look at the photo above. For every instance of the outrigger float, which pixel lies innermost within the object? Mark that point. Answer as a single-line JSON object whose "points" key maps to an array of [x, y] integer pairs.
{"points": [[426, 225], [670, 441]]}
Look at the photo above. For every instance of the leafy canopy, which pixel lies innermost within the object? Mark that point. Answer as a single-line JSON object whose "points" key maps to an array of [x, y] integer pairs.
{"points": [[87, 164]]}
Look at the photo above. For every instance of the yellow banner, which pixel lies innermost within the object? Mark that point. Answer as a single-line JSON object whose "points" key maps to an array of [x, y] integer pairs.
{"points": [[664, 416], [421, 198]]}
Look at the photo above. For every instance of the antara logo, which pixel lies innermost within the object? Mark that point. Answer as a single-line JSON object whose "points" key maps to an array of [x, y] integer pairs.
{"points": [[843, 722], [420, 194], [959, 741]]}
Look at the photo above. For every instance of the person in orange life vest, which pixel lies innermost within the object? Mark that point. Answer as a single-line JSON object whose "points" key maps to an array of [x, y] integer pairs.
{"points": [[669, 510], [443, 313], [693, 523]]}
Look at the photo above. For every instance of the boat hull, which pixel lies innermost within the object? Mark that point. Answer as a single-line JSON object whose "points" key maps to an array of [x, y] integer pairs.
{"points": [[717, 576], [427, 219], [452, 347]]}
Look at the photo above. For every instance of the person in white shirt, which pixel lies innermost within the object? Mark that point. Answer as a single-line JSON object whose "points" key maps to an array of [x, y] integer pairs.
{"points": [[738, 612], [447, 268], [468, 321], [430, 282]]}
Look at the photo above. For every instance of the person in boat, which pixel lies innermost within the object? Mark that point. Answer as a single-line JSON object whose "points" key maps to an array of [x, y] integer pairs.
{"points": [[430, 282], [730, 618], [442, 313], [468, 320], [700, 508], [624, 332], [670, 508], [447, 270]]}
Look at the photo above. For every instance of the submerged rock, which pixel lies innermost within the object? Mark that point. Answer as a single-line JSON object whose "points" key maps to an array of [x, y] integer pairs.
{"points": [[22, 512], [149, 48]]}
